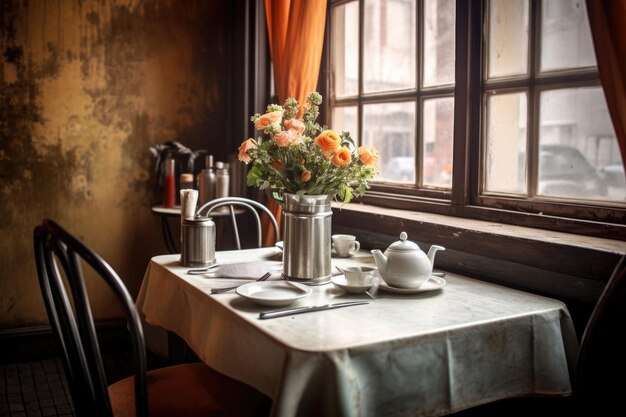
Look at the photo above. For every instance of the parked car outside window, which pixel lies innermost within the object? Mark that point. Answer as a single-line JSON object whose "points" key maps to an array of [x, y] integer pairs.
{"points": [[565, 172]]}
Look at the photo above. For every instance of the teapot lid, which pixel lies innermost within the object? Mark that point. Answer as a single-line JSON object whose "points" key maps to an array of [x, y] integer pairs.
{"points": [[403, 245]]}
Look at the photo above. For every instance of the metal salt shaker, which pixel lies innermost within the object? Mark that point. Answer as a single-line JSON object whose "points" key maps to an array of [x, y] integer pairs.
{"points": [[198, 241]]}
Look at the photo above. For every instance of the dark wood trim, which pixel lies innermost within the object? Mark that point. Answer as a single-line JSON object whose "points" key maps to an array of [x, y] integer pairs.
{"points": [[534, 217], [467, 107], [259, 71], [36, 342], [585, 211]]}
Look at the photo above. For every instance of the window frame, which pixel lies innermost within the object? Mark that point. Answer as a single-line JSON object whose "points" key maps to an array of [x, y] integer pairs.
{"points": [[466, 199]]}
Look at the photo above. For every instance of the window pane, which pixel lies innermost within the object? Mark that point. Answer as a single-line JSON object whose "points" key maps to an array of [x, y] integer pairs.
{"points": [[345, 49], [578, 152], [506, 144], [439, 46], [565, 35], [345, 119], [390, 128], [438, 144], [508, 38], [389, 56]]}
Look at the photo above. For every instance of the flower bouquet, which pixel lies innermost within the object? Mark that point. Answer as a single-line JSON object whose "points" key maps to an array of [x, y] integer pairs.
{"points": [[298, 156], [304, 166]]}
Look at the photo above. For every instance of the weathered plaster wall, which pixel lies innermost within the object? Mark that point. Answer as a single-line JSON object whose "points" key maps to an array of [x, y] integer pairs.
{"points": [[86, 86]]}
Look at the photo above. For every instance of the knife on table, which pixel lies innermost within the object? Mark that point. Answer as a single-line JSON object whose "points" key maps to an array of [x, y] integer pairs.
{"points": [[308, 309]]}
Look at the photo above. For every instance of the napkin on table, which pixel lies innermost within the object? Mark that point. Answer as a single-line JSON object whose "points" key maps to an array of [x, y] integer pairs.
{"points": [[247, 270]]}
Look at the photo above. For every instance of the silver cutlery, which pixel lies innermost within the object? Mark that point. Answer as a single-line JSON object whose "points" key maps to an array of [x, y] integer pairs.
{"points": [[374, 288], [307, 309], [226, 289], [202, 270]]}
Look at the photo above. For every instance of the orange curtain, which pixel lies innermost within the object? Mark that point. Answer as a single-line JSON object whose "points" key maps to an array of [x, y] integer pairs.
{"points": [[296, 38], [607, 19]]}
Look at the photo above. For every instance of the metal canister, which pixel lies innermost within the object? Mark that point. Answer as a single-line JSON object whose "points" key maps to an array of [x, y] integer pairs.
{"points": [[198, 241], [306, 240]]}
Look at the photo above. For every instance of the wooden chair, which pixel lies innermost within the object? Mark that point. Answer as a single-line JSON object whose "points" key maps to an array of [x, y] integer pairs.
{"points": [[182, 390], [246, 203]]}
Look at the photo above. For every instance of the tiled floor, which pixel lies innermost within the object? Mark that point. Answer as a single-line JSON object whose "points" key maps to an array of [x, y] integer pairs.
{"points": [[34, 389], [39, 388]]}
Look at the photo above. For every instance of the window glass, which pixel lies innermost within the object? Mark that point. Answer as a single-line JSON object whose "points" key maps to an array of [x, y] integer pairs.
{"points": [[439, 43], [390, 127], [578, 152], [505, 153], [565, 36], [532, 138], [389, 42], [508, 38], [437, 149], [345, 49], [345, 119]]}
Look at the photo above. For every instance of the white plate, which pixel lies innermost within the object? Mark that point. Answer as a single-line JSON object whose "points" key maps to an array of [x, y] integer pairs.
{"points": [[273, 293], [340, 282], [433, 283]]}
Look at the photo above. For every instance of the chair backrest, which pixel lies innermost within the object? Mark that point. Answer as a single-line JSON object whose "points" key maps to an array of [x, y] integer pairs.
{"points": [[246, 203], [72, 320], [601, 367]]}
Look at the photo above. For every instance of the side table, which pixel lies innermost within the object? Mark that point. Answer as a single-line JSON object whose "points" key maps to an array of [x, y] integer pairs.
{"points": [[167, 213]]}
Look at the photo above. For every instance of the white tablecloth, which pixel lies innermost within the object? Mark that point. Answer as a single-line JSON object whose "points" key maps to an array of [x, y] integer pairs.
{"points": [[401, 355]]}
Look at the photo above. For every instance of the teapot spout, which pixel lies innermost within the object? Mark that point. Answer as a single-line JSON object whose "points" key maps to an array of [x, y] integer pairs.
{"points": [[431, 253], [381, 260]]}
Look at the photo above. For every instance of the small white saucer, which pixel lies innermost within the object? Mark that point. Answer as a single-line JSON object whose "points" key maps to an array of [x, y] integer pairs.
{"points": [[433, 283], [333, 254], [273, 293], [340, 282]]}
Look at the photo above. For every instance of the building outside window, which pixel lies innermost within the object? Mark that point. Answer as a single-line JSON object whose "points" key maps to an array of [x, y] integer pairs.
{"points": [[539, 137]]}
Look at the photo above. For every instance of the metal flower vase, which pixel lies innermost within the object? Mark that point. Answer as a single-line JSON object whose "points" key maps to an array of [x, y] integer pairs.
{"points": [[306, 238]]}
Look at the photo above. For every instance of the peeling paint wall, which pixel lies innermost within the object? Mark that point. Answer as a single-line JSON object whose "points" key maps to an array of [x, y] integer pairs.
{"points": [[86, 87]]}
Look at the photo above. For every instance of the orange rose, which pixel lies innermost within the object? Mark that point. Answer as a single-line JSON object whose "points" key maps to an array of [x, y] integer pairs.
{"points": [[286, 138], [342, 157], [369, 155], [328, 141], [296, 125], [277, 164], [295, 138], [264, 121], [244, 156], [282, 139], [306, 176]]}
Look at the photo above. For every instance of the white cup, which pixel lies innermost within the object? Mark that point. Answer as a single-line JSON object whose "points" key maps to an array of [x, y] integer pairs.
{"points": [[358, 275], [345, 245]]}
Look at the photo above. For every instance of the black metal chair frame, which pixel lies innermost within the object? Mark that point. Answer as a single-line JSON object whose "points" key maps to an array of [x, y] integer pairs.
{"points": [[249, 204], [73, 323]]}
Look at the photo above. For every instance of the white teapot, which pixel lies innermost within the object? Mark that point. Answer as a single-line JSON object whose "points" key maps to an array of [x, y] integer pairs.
{"points": [[404, 264]]}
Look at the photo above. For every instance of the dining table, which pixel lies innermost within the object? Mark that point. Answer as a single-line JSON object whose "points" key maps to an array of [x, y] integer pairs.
{"points": [[455, 345]]}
